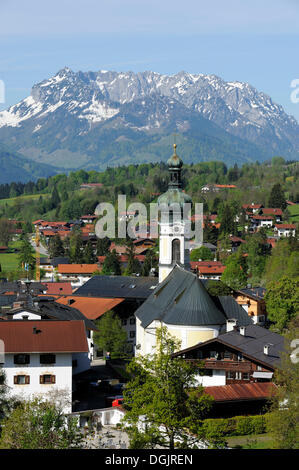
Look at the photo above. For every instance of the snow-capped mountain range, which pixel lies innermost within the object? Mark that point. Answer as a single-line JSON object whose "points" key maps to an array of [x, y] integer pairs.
{"points": [[93, 119]]}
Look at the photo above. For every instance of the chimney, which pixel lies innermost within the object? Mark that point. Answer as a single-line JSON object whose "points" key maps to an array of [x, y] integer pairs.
{"points": [[242, 330], [266, 348], [230, 324]]}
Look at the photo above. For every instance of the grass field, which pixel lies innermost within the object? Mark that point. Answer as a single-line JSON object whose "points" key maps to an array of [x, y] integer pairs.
{"points": [[294, 213], [12, 200], [260, 441], [10, 261]]}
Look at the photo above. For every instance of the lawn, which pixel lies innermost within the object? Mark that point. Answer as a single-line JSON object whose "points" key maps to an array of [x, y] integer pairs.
{"points": [[9, 261], [12, 200], [259, 441], [294, 213]]}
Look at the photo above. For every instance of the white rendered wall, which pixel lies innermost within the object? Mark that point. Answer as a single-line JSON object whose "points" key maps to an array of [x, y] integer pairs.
{"points": [[62, 370], [147, 337], [218, 378]]}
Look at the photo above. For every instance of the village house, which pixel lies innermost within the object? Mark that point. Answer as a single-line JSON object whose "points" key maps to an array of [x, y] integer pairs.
{"points": [[40, 356], [76, 274], [260, 221], [44, 308], [253, 302], [216, 187], [252, 208], [285, 230], [244, 354], [208, 269], [275, 213]]}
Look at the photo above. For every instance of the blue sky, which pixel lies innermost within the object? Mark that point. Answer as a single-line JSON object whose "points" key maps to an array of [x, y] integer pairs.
{"points": [[252, 41]]}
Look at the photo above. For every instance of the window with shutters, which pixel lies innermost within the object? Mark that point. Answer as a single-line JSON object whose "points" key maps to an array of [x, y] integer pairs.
{"points": [[47, 358], [47, 379], [21, 379], [21, 359]]}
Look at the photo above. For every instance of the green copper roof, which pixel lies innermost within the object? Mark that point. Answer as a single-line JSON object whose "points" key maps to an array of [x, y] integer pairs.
{"points": [[175, 161], [174, 196], [181, 299]]}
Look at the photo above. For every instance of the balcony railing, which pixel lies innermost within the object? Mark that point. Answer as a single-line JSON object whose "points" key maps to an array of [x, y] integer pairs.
{"points": [[242, 366]]}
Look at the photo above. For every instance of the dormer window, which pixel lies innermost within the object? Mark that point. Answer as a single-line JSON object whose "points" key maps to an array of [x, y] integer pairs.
{"points": [[47, 358], [21, 359]]}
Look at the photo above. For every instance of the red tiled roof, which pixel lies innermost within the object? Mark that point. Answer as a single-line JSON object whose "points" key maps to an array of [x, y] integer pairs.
{"points": [[225, 185], [88, 216], [272, 211], [237, 392], [38, 221], [290, 203], [211, 269], [236, 239], [58, 288], [92, 308], [262, 217], [123, 258], [52, 336], [207, 263], [208, 267], [77, 268], [287, 226]]}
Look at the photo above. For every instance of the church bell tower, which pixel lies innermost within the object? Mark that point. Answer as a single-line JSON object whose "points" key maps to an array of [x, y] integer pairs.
{"points": [[173, 244]]}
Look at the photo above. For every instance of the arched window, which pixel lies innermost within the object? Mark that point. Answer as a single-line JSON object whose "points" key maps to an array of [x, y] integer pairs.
{"points": [[176, 251]]}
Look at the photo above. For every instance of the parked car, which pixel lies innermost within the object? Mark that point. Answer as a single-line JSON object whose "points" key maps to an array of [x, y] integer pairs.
{"points": [[117, 402], [110, 400]]}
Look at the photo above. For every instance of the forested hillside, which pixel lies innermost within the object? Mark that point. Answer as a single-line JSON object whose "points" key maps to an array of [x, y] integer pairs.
{"points": [[59, 197]]}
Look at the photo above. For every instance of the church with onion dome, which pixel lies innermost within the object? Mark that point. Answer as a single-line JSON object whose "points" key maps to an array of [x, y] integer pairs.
{"points": [[180, 301]]}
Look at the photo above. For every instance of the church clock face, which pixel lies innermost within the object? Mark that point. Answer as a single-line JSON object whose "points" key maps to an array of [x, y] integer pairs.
{"points": [[176, 229]]}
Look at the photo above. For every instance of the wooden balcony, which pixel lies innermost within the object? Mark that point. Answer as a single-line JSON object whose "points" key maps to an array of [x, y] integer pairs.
{"points": [[222, 364]]}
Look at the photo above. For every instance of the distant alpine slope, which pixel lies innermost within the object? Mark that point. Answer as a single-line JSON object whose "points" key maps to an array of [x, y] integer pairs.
{"points": [[93, 120]]}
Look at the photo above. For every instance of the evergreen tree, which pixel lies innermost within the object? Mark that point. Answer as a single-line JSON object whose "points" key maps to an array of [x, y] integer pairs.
{"points": [[228, 225], [111, 264], [103, 245], [277, 198], [55, 199], [111, 336], [89, 256], [26, 254], [56, 247], [150, 262]]}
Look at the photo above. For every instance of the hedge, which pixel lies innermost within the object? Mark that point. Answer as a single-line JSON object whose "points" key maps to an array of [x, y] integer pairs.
{"points": [[236, 426]]}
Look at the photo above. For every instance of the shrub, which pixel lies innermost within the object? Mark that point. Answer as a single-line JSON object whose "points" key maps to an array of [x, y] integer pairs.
{"points": [[236, 426]]}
